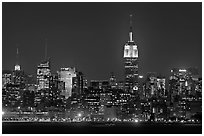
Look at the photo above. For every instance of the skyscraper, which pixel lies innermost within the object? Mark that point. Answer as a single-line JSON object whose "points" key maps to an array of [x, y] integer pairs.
{"points": [[183, 92], [18, 75], [131, 62], [112, 81], [43, 74], [66, 75], [17, 66]]}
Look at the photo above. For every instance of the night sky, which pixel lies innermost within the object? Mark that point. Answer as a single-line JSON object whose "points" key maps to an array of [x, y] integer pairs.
{"points": [[91, 36]]}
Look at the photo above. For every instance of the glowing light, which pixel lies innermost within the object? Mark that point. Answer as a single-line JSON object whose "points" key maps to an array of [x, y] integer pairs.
{"points": [[140, 76], [130, 51], [2, 113], [79, 115], [182, 70], [135, 88], [17, 67], [136, 120]]}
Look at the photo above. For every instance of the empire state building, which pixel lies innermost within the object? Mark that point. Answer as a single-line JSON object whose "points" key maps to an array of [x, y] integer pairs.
{"points": [[131, 62]]}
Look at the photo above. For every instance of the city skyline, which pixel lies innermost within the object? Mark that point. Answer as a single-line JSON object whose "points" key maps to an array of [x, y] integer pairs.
{"points": [[100, 67], [93, 42]]}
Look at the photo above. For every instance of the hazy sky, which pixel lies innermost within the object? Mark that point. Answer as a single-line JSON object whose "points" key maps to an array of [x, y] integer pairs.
{"points": [[91, 36]]}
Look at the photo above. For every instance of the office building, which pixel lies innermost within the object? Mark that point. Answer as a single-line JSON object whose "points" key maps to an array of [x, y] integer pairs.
{"points": [[66, 75], [131, 62], [43, 75]]}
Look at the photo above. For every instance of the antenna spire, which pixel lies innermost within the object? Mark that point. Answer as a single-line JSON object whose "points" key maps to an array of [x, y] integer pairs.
{"points": [[130, 32], [130, 22], [17, 66]]}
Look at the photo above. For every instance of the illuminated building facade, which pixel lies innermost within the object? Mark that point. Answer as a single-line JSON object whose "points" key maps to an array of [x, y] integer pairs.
{"points": [[154, 98], [154, 86], [183, 83], [92, 101], [183, 88], [112, 81], [85, 83], [55, 89], [78, 83], [66, 75], [18, 77], [43, 75], [6, 77], [131, 62], [13, 96], [77, 90]]}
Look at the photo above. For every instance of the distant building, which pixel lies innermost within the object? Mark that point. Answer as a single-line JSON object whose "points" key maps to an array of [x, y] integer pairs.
{"points": [[85, 83], [92, 100], [78, 83], [43, 75], [154, 98], [55, 89], [131, 62], [99, 84], [12, 96], [6, 77], [183, 83], [185, 92], [28, 99], [120, 85], [17, 66], [66, 75], [18, 77], [112, 81], [154, 86]]}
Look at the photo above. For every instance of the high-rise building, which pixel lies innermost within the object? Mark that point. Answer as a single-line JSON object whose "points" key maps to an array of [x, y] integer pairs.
{"points": [[28, 98], [17, 66], [131, 62], [18, 77], [78, 83], [182, 82], [183, 90], [6, 77], [13, 96], [112, 81], [154, 86], [55, 89], [43, 75], [66, 75]]}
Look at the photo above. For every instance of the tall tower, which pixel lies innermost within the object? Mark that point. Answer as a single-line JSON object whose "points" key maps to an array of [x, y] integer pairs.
{"points": [[44, 72], [17, 66], [66, 75], [43, 75], [131, 62]]}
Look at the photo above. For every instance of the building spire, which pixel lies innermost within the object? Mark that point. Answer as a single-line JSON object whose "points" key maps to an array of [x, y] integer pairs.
{"points": [[130, 32], [17, 66]]}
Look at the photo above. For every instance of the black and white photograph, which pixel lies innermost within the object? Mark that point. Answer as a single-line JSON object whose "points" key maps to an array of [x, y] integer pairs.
{"points": [[101, 67]]}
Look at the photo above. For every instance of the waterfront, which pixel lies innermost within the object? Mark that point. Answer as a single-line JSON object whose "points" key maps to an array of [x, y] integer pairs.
{"points": [[99, 128]]}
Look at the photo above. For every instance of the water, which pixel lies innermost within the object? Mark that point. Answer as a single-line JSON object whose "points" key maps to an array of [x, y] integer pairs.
{"points": [[98, 128]]}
